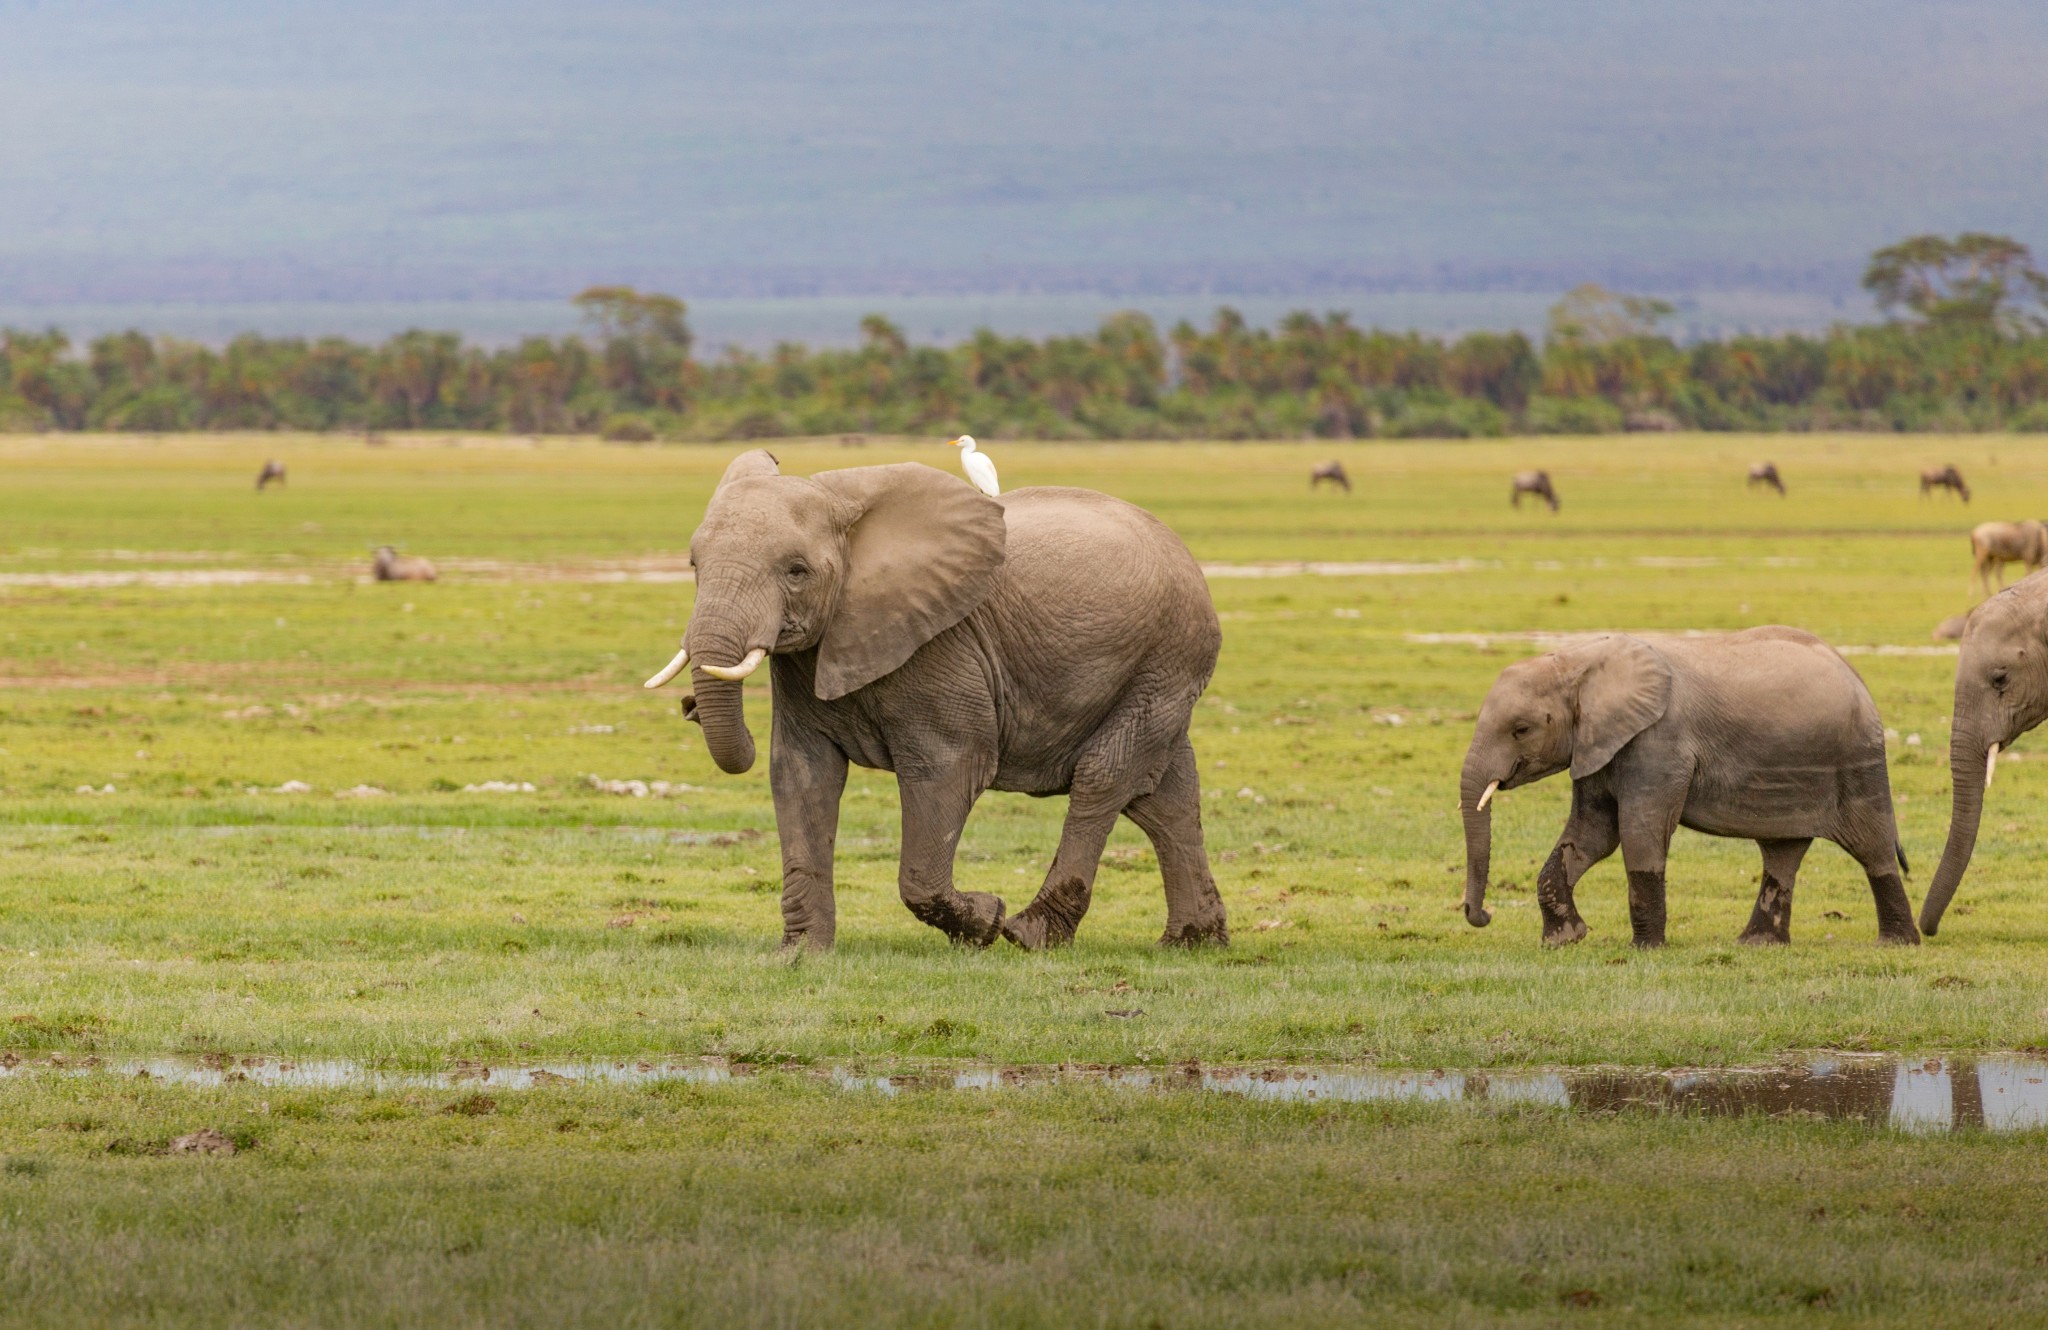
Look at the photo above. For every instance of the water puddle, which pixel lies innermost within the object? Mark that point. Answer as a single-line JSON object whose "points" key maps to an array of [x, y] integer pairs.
{"points": [[1995, 1092]]}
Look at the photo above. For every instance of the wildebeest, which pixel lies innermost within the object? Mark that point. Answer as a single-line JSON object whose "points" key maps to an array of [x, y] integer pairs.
{"points": [[272, 470], [1332, 471], [1996, 544], [1946, 478], [1537, 483], [390, 566], [1951, 628], [1766, 473]]}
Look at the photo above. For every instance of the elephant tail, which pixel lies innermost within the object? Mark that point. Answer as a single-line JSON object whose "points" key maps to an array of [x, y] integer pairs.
{"points": [[1900, 851]]}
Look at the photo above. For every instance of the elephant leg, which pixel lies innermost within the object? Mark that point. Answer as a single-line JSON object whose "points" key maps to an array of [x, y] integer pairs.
{"points": [[935, 808], [1171, 818], [1121, 761], [1770, 922], [1591, 834], [1880, 864], [1646, 827], [807, 774]]}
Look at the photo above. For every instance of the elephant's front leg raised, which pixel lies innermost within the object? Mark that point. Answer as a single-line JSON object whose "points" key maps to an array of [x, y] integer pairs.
{"points": [[807, 774], [935, 808], [1590, 835]]}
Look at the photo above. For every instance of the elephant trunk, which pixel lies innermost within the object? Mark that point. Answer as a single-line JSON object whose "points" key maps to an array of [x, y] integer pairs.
{"points": [[726, 625], [1969, 759], [1475, 789]]}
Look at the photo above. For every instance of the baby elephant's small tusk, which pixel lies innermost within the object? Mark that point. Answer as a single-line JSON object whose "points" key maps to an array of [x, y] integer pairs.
{"points": [[670, 670], [740, 671], [1990, 765], [1485, 796]]}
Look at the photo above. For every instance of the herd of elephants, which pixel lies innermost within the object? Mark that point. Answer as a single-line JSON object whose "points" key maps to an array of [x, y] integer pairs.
{"points": [[1054, 641]]}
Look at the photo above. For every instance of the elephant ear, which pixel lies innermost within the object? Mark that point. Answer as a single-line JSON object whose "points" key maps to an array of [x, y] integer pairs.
{"points": [[1624, 687], [923, 548], [750, 465]]}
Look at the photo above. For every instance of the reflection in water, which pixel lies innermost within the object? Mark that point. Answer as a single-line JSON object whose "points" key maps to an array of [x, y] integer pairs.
{"points": [[1999, 1092]]}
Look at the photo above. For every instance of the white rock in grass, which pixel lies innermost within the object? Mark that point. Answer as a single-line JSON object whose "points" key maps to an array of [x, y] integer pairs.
{"points": [[293, 787], [104, 789], [360, 792], [500, 787]]}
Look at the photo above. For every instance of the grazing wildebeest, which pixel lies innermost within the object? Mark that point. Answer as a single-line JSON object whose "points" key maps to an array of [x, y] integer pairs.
{"points": [[1947, 478], [1996, 544], [1536, 483], [390, 566], [1766, 473], [1332, 471], [272, 470]]}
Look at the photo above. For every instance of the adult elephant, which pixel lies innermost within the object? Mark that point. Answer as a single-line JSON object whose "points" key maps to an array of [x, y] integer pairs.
{"points": [[1766, 734], [2001, 693], [1050, 641]]}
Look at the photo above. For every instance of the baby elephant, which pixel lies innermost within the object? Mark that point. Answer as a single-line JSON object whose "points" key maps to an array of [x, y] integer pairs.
{"points": [[1765, 734], [391, 566]]}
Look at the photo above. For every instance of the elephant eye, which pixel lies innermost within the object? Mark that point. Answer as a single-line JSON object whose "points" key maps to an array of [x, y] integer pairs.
{"points": [[799, 570], [1999, 678], [1522, 729]]}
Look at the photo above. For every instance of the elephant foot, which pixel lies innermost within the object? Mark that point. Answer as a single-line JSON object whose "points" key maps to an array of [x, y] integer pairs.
{"points": [[1565, 933], [1763, 937], [1053, 917], [1890, 938], [807, 940], [1205, 931], [970, 918], [1034, 932]]}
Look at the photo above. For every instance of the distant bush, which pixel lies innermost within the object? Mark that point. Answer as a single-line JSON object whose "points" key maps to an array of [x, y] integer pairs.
{"points": [[1572, 415], [627, 428]]}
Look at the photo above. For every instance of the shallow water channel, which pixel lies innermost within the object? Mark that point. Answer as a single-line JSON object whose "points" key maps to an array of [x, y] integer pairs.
{"points": [[1996, 1092]]}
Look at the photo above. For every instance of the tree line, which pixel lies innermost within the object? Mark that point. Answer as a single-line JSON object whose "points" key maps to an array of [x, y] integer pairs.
{"points": [[1964, 347]]}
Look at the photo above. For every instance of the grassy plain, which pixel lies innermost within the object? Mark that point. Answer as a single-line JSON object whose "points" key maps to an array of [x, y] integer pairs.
{"points": [[194, 646]]}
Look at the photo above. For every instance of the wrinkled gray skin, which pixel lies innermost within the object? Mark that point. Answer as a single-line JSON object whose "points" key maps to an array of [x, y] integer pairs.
{"points": [[2001, 693], [1052, 641], [1536, 483], [1996, 544], [1766, 734]]}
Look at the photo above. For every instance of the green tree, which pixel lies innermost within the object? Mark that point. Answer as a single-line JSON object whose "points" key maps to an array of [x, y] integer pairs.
{"points": [[1974, 280]]}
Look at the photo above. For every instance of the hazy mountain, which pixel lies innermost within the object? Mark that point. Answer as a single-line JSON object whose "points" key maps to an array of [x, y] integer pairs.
{"points": [[212, 150]]}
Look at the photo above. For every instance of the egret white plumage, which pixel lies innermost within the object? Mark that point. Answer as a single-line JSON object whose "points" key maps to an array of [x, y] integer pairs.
{"points": [[977, 466]]}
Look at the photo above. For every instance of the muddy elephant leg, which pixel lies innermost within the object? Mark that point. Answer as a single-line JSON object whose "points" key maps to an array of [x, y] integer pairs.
{"points": [[1646, 828], [1171, 818], [1591, 834], [807, 774], [1055, 913], [935, 808], [1770, 922]]}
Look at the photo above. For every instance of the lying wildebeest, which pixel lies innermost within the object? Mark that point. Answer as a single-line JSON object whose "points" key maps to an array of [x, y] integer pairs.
{"points": [[1332, 471], [1946, 478], [1766, 473], [1536, 483], [390, 566], [1996, 544], [272, 470]]}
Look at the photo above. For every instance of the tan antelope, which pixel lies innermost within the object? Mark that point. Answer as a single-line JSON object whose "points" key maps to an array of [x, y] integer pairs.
{"points": [[272, 470], [1944, 478], [391, 566], [1996, 544], [1766, 473], [1536, 483], [1332, 471]]}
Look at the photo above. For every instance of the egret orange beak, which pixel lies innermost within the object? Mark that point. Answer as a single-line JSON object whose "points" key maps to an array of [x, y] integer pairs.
{"points": [[953, 443]]}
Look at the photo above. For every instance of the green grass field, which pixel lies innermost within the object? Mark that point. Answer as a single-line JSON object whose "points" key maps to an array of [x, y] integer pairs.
{"points": [[184, 648]]}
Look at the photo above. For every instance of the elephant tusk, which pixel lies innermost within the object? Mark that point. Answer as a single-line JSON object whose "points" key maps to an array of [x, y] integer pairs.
{"points": [[1990, 765], [735, 673], [670, 670], [1485, 796]]}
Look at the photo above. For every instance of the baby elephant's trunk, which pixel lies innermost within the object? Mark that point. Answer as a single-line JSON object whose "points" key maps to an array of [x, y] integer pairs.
{"points": [[1475, 793]]}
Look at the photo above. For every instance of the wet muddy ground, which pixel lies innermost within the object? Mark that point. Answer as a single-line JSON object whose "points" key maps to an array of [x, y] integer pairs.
{"points": [[2003, 1092]]}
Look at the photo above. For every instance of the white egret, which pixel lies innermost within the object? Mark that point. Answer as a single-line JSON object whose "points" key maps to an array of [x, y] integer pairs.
{"points": [[977, 466]]}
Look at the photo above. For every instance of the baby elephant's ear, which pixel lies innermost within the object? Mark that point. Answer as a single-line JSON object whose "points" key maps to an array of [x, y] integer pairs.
{"points": [[1624, 687], [922, 550]]}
